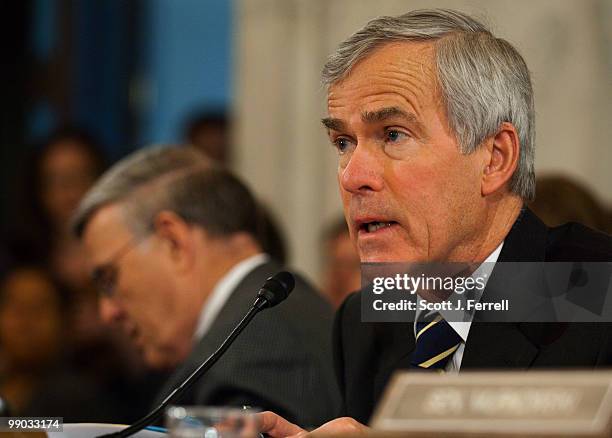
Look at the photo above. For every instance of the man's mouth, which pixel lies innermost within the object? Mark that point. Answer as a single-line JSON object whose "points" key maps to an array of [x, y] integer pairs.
{"points": [[371, 227]]}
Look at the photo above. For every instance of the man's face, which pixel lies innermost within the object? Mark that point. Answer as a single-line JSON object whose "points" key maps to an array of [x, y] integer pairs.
{"points": [[408, 192], [146, 300]]}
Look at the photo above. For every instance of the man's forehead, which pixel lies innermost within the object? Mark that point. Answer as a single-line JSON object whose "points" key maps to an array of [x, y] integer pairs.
{"points": [[406, 55], [407, 67], [105, 227]]}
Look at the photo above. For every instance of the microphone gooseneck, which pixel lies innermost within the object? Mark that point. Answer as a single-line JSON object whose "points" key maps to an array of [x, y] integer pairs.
{"points": [[274, 290]]}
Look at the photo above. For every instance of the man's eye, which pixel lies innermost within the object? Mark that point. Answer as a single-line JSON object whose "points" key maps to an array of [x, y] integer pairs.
{"points": [[393, 135], [342, 144]]}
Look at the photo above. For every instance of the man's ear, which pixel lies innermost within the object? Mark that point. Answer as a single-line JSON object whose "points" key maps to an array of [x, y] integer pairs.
{"points": [[502, 159], [175, 238]]}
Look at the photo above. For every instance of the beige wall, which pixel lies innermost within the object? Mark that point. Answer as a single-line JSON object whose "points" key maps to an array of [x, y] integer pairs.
{"points": [[281, 45]]}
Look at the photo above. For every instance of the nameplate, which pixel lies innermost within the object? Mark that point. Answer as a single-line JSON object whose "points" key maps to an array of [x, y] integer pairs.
{"points": [[559, 403]]}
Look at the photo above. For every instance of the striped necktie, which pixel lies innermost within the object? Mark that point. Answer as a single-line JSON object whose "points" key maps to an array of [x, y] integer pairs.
{"points": [[436, 341]]}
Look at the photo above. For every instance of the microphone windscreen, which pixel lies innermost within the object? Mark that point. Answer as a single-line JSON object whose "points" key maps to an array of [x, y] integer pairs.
{"points": [[277, 288]]}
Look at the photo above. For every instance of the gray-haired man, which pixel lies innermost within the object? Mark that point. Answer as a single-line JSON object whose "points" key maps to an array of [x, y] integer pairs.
{"points": [[173, 243], [433, 120]]}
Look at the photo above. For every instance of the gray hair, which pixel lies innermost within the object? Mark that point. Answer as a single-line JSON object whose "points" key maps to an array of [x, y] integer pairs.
{"points": [[484, 81], [178, 179]]}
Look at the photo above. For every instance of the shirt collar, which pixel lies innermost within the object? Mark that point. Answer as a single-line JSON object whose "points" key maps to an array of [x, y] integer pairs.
{"points": [[222, 291], [483, 271]]}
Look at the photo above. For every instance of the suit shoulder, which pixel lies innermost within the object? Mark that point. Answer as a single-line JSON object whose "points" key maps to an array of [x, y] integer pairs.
{"points": [[352, 301], [306, 299], [576, 242], [305, 317]]}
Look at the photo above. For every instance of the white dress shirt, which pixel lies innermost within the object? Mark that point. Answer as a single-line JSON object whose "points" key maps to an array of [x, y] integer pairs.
{"points": [[222, 291], [463, 327]]}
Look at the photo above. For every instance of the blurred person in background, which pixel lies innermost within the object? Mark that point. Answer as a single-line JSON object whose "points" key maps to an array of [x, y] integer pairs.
{"points": [[32, 328], [57, 176], [208, 131], [342, 269], [560, 199], [174, 245], [36, 376], [63, 170]]}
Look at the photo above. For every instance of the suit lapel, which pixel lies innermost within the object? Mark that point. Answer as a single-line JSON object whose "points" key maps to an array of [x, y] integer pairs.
{"points": [[506, 345]]}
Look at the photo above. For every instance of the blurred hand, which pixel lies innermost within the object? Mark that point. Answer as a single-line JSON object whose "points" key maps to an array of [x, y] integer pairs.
{"points": [[343, 425], [277, 427]]}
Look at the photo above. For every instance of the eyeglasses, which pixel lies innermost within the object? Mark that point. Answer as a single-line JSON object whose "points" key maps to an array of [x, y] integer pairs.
{"points": [[105, 275]]}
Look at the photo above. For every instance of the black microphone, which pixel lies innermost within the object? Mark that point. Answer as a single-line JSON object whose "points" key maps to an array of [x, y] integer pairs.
{"points": [[274, 290]]}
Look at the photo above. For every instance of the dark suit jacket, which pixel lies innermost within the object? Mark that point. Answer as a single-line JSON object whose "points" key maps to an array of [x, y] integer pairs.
{"points": [[280, 362], [366, 354]]}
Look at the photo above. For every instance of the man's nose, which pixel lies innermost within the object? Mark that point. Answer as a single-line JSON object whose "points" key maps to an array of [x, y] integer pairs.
{"points": [[110, 311], [363, 173]]}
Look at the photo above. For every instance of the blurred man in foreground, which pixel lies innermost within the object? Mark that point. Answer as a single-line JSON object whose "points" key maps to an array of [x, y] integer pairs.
{"points": [[173, 242], [433, 120]]}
